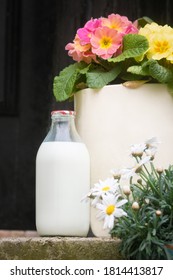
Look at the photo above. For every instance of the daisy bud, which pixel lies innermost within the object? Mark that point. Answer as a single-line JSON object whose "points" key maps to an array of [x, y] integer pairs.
{"points": [[147, 200], [116, 173], [138, 168], [137, 154], [159, 170], [126, 190], [135, 205], [117, 177], [158, 212], [139, 181]]}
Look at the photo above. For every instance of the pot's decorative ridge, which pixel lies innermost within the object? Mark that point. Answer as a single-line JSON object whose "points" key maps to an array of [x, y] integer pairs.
{"points": [[111, 119]]}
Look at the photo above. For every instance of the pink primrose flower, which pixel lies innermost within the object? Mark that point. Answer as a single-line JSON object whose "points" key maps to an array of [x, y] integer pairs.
{"points": [[85, 32], [88, 57], [101, 37], [119, 23], [105, 42], [131, 29], [80, 52]]}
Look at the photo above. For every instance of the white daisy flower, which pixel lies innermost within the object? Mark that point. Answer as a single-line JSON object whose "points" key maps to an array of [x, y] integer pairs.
{"points": [[130, 172], [90, 197], [151, 152], [138, 149], [116, 173], [86, 197], [110, 210], [152, 142], [110, 185]]}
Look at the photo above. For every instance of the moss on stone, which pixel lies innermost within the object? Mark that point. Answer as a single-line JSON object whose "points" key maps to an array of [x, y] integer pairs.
{"points": [[59, 248]]}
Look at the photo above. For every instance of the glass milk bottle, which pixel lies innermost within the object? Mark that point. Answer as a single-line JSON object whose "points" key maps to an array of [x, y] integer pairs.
{"points": [[62, 180]]}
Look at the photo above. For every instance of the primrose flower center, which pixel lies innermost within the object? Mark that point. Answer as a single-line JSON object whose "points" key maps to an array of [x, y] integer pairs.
{"points": [[115, 26], [105, 42], [161, 46], [110, 209], [106, 188]]}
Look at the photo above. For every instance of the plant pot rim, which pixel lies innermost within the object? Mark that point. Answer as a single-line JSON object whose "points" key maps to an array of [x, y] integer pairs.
{"points": [[147, 85]]}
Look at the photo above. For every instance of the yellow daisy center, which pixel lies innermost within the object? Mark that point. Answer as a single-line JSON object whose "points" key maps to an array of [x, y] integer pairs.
{"points": [[161, 46], [105, 42], [110, 209], [106, 188]]}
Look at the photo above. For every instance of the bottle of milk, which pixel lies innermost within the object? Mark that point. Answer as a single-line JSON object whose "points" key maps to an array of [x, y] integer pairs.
{"points": [[62, 179]]}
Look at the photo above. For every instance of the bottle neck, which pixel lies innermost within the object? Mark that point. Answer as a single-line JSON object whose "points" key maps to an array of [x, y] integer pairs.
{"points": [[63, 129]]}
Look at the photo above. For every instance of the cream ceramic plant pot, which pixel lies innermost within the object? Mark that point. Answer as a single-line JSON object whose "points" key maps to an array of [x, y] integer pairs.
{"points": [[111, 119]]}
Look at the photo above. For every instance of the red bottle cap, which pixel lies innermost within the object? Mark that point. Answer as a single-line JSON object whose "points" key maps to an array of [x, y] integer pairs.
{"points": [[63, 112]]}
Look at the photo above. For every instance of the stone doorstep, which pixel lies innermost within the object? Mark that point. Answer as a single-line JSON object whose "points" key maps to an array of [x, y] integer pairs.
{"points": [[18, 233], [27, 245]]}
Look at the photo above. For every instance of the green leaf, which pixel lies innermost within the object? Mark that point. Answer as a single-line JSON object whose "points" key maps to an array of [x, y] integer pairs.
{"points": [[138, 70], [134, 45], [100, 78], [159, 72], [64, 84], [170, 88], [143, 21]]}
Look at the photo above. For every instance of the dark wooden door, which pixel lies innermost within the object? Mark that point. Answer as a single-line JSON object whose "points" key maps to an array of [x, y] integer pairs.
{"points": [[33, 35]]}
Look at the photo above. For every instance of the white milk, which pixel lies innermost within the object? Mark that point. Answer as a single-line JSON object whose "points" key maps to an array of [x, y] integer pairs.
{"points": [[62, 179]]}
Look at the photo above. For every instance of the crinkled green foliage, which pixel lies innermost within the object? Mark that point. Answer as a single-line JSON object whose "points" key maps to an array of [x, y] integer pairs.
{"points": [[64, 84], [133, 46], [100, 78], [130, 64]]}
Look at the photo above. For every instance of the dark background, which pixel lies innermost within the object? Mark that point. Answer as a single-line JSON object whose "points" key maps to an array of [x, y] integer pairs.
{"points": [[33, 35]]}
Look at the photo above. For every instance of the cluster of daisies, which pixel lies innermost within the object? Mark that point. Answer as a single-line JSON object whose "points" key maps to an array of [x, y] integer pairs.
{"points": [[110, 195]]}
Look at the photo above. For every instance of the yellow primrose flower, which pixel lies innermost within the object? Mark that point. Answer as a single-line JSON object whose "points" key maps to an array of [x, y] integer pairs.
{"points": [[149, 29], [160, 40]]}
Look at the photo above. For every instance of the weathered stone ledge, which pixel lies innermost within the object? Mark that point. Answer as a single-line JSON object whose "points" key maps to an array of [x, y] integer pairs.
{"points": [[57, 248]]}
